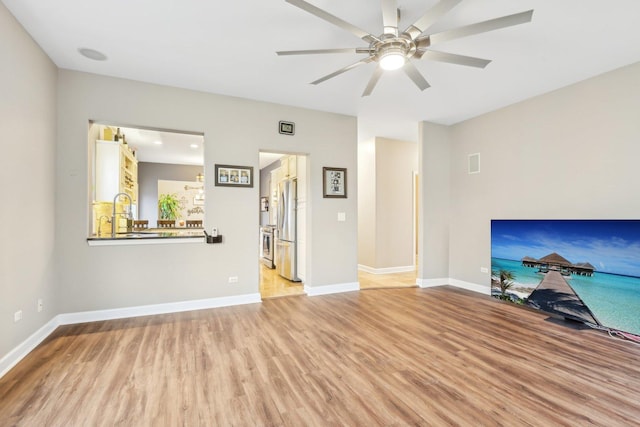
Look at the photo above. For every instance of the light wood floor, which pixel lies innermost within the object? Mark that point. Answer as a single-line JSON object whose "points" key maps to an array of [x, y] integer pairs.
{"points": [[429, 357], [392, 280], [272, 285]]}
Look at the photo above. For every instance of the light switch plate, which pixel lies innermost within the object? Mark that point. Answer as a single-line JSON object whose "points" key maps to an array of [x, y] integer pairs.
{"points": [[342, 216]]}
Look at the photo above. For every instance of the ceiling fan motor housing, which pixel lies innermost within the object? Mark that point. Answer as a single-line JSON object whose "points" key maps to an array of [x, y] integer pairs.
{"points": [[390, 44]]}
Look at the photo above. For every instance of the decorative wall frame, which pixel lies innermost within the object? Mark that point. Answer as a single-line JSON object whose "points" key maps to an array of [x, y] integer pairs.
{"points": [[287, 128], [334, 182], [233, 176]]}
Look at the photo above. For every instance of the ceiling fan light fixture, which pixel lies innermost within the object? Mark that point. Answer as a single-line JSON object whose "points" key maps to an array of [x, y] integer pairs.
{"points": [[392, 60], [393, 49]]}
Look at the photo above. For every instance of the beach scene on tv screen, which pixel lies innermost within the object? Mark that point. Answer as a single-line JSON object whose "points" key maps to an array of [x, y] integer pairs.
{"points": [[583, 270]]}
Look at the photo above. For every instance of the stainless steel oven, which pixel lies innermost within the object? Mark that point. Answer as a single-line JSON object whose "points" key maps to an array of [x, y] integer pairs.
{"points": [[266, 245]]}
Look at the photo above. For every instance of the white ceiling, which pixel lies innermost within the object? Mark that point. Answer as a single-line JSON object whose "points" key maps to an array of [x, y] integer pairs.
{"points": [[267, 158], [156, 146], [228, 47]]}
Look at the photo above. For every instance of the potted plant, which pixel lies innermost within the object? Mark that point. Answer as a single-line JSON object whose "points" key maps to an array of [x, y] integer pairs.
{"points": [[169, 206]]}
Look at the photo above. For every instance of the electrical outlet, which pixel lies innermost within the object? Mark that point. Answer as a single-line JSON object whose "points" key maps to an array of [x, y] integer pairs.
{"points": [[40, 305], [17, 316], [484, 270], [233, 279]]}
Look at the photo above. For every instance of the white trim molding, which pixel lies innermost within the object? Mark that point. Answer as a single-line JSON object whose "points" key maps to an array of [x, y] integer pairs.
{"points": [[148, 310], [429, 283], [313, 291], [386, 270], [12, 358], [18, 353], [485, 290]]}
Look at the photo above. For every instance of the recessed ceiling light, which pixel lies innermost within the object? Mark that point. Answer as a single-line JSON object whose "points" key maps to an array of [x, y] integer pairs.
{"points": [[194, 146], [92, 54], [157, 142]]}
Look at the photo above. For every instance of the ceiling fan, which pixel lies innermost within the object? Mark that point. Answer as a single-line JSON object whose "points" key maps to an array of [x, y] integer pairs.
{"points": [[394, 50]]}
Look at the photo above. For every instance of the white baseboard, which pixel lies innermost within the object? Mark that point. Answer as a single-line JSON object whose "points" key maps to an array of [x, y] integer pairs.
{"points": [[386, 270], [17, 354], [313, 291], [148, 310], [12, 358], [428, 283], [485, 290]]}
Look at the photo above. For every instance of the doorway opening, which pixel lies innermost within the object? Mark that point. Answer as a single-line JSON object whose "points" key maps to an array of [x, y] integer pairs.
{"points": [[387, 213], [283, 224]]}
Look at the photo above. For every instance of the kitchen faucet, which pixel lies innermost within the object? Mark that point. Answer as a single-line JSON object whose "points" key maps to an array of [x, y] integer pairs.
{"points": [[114, 214]]}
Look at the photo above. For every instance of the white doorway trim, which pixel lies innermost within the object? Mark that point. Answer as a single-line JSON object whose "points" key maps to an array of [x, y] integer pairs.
{"points": [[415, 217]]}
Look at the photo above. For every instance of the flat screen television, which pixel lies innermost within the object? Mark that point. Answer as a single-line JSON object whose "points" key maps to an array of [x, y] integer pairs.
{"points": [[584, 270]]}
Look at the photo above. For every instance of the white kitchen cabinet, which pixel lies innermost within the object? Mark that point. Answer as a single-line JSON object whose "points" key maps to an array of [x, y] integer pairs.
{"points": [[273, 195], [288, 167], [116, 171], [301, 215]]}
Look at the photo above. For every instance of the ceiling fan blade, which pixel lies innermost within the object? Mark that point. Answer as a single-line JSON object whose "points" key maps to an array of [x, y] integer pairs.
{"points": [[317, 51], [332, 19], [390, 16], [429, 18], [373, 81], [453, 58], [415, 75], [342, 70], [482, 27]]}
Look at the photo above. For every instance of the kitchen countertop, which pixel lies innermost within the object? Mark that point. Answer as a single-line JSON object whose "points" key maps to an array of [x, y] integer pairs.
{"points": [[161, 235]]}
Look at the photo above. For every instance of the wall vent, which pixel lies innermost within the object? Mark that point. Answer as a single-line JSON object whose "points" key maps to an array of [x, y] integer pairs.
{"points": [[474, 163]]}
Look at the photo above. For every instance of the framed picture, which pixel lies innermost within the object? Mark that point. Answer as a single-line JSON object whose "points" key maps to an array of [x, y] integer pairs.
{"points": [[234, 176], [264, 204], [334, 182]]}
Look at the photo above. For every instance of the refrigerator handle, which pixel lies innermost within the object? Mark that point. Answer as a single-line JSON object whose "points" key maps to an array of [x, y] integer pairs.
{"points": [[281, 212]]}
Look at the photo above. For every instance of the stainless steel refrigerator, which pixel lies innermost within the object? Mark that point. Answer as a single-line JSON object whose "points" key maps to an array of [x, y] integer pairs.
{"points": [[286, 247]]}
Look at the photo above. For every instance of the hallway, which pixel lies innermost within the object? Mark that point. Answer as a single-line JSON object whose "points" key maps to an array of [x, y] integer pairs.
{"points": [[385, 281]]}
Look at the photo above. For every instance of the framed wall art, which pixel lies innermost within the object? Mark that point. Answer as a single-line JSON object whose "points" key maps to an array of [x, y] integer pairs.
{"points": [[234, 176], [334, 182], [585, 270]]}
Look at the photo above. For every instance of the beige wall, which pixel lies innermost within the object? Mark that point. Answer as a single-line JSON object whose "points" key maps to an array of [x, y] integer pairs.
{"points": [[28, 127], [572, 153], [385, 205], [234, 130], [367, 202], [433, 239], [396, 161]]}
